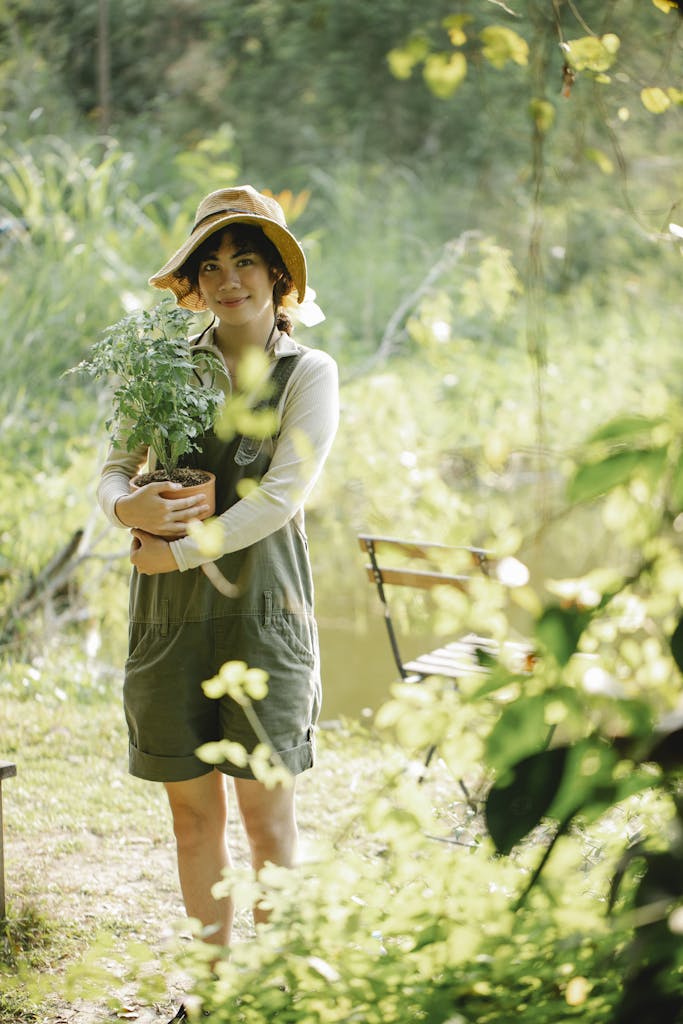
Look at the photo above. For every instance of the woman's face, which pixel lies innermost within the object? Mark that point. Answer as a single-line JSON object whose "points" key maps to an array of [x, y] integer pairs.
{"points": [[236, 284]]}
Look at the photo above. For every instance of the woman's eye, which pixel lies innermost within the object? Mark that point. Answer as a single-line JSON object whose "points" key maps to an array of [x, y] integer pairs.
{"points": [[207, 266]]}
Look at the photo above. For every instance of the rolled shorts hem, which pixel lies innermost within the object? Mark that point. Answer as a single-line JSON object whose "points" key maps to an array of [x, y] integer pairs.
{"points": [[156, 768], [296, 760]]}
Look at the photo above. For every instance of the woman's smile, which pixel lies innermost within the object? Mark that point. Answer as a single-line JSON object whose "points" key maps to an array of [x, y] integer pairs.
{"points": [[237, 286]]}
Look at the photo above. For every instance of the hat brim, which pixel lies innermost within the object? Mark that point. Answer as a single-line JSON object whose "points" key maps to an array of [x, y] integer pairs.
{"points": [[284, 241]]}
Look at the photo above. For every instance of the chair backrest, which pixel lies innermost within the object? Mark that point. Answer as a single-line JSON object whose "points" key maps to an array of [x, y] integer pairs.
{"points": [[391, 562]]}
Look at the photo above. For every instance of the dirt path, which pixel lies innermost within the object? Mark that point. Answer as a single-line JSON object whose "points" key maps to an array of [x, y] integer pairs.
{"points": [[127, 886], [121, 879], [92, 851]]}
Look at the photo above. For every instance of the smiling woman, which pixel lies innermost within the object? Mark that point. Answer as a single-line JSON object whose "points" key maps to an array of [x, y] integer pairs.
{"points": [[242, 279], [239, 262]]}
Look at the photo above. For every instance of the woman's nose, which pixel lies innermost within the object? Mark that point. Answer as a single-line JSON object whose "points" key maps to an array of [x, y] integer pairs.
{"points": [[230, 278]]}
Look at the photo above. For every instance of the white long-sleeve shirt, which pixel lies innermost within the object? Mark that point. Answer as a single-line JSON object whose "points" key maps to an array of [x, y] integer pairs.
{"points": [[309, 416]]}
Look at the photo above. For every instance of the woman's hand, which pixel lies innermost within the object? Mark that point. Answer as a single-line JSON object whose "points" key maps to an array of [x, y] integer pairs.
{"points": [[145, 509], [151, 555]]}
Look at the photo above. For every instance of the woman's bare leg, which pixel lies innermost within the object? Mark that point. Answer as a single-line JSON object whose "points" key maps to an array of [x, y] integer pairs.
{"points": [[200, 817], [269, 817]]}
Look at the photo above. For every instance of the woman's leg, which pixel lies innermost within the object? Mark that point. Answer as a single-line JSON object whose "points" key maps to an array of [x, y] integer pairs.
{"points": [[269, 817], [200, 817]]}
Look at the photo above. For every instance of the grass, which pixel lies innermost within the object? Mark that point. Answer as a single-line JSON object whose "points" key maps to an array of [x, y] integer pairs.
{"points": [[91, 873], [89, 849]]}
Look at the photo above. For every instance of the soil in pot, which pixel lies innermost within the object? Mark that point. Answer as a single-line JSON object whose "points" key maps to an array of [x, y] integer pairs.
{"points": [[193, 481]]}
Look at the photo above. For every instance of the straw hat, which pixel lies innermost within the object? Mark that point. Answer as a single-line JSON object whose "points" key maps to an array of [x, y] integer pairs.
{"points": [[243, 205]]}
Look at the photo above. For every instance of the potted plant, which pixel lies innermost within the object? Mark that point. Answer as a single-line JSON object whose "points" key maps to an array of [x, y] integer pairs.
{"points": [[158, 400]]}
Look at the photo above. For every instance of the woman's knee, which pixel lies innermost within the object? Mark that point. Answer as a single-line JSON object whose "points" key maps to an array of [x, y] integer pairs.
{"points": [[269, 818], [199, 810]]}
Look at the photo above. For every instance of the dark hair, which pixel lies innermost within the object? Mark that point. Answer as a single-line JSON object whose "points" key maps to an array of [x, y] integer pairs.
{"points": [[242, 236]]}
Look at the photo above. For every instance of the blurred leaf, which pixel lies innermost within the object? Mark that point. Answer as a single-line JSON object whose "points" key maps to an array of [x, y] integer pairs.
{"points": [[677, 644], [497, 679], [677, 485], [542, 114], [520, 731], [599, 157], [662, 878], [403, 59], [626, 427], [587, 785], [591, 480], [591, 53], [501, 45], [454, 25], [668, 751], [655, 100], [443, 73], [517, 805], [653, 465], [665, 5], [559, 630]]}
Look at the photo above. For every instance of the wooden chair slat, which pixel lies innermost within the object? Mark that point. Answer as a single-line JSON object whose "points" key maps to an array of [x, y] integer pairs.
{"points": [[419, 578]]}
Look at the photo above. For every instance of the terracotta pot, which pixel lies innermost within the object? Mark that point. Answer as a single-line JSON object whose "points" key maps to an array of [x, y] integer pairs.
{"points": [[207, 488]]}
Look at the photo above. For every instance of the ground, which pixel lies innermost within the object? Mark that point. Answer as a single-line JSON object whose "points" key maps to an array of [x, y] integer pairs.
{"points": [[90, 849]]}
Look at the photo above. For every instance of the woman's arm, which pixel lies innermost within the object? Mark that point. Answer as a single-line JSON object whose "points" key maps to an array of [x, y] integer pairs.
{"points": [[310, 417], [119, 466]]}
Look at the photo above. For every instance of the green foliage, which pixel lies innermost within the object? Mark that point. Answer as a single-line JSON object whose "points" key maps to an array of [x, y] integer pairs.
{"points": [[27, 944], [592, 53], [573, 760], [156, 400], [428, 322]]}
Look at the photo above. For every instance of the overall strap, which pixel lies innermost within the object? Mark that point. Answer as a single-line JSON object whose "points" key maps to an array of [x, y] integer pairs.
{"points": [[249, 447]]}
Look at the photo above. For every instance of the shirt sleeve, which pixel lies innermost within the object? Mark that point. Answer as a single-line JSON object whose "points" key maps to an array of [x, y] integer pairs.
{"points": [[310, 417], [119, 466]]}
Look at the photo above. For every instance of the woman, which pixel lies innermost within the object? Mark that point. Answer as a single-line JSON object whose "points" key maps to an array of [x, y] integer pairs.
{"points": [[240, 262]]}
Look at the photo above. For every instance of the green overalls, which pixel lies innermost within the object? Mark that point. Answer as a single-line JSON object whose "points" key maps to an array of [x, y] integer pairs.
{"points": [[182, 629]]}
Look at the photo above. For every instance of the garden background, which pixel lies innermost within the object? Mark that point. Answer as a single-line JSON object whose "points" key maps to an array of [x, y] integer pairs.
{"points": [[484, 191]]}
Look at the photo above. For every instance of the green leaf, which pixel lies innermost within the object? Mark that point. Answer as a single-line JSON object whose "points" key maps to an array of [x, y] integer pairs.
{"points": [[559, 630], [542, 114], [668, 751], [590, 53], [517, 805], [497, 679], [599, 157], [662, 878], [625, 428], [436, 931], [403, 59], [501, 45], [655, 100], [445, 73], [677, 485], [652, 466], [520, 731], [677, 644], [587, 784], [454, 25], [596, 478]]}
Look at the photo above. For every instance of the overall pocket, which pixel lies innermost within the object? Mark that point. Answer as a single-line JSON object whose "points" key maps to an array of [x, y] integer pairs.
{"points": [[293, 628]]}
